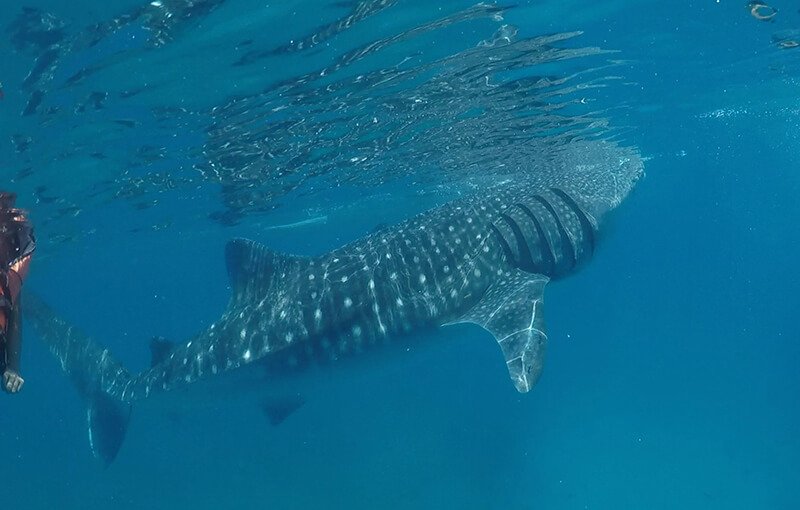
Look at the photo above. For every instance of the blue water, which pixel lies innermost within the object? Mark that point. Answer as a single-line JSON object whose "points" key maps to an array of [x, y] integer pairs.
{"points": [[671, 378]]}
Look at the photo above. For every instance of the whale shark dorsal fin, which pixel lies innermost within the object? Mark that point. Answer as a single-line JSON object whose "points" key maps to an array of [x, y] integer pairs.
{"points": [[511, 310], [253, 268]]}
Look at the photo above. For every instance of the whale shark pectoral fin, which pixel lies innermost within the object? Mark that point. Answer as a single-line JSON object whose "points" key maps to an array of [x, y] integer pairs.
{"points": [[512, 311]]}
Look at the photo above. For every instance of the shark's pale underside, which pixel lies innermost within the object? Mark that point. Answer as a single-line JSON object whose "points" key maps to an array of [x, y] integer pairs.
{"points": [[484, 259]]}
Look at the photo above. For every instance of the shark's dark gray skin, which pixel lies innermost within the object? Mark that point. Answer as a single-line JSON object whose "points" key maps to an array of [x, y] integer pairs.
{"points": [[484, 259]]}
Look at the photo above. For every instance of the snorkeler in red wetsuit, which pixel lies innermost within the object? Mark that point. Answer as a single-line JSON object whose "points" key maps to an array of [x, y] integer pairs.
{"points": [[17, 244]]}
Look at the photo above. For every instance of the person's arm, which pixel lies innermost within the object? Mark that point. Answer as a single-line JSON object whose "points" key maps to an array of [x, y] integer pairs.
{"points": [[12, 381], [14, 339]]}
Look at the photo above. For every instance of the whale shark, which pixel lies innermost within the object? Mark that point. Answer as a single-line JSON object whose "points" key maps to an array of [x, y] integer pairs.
{"points": [[483, 259]]}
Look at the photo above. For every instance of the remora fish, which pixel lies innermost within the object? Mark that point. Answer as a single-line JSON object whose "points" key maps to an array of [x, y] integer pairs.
{"points": [[484, 259]]}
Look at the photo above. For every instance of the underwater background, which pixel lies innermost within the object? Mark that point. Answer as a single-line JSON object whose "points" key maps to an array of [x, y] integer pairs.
{"points": [[143, 136]]}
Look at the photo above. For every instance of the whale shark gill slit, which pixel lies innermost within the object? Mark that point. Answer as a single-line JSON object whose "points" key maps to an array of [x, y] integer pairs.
{"points": [[565, 253], [504, 244], [546, 259], [586, 227], [524, 259]]}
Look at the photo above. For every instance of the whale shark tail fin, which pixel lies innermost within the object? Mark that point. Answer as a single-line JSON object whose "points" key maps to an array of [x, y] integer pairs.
{"points": [[107, 421], [99, 378], [511, 310]]}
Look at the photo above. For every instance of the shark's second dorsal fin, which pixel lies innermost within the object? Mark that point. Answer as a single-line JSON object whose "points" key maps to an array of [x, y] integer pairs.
{"points": [[511, 310], [253, 268], [160, 349]]}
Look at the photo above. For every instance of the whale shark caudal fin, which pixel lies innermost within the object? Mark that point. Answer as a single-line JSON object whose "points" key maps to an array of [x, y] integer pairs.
{"points": [[253, 268], [107, 421], [98, 377], [511, 310]]}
